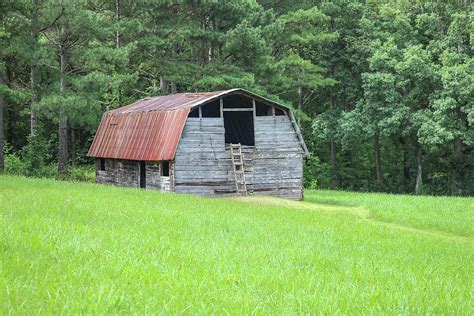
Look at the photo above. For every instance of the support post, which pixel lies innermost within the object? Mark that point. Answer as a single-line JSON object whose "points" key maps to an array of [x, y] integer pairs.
{"points": [[221, 101]]}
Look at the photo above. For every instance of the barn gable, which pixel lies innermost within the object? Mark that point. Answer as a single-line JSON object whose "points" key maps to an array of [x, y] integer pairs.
{"points": [[150, 129]]}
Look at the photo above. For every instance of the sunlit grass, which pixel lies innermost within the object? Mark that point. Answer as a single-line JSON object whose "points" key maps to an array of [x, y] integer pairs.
{"points": [[85, 248], [454, 215]]}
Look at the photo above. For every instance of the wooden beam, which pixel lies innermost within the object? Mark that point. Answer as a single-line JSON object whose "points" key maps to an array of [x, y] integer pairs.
{"points": [[298, 134], [237, 109], [254, 107], [221, 101], [200, 112], [273, 111]]}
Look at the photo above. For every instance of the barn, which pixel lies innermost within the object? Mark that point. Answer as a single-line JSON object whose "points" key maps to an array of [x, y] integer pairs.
{"points": [[231, 142]]}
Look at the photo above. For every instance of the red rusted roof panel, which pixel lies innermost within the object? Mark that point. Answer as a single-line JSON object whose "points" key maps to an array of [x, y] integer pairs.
{"points": [[139, 135], [168, 102]]}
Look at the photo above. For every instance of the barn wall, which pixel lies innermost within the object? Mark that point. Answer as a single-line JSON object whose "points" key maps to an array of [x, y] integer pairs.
{"points": [[273, 167], [278, 158], [118, 172], [125, 173], [201, 163], [153, 178]]}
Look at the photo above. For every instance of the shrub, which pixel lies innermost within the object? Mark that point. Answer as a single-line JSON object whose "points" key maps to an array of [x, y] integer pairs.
{"points": [[84, 173], [35, 154], [14, 165], [315, 173]]}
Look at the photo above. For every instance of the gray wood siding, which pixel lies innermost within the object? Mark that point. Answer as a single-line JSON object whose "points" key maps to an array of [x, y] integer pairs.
{"points": [[118, 172], [201, 163], [278, 158], [273, 167], [153, 178], [125, 173]]}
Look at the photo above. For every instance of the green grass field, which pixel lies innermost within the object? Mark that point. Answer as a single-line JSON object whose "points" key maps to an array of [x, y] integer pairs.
{"points": [[86, 248]]}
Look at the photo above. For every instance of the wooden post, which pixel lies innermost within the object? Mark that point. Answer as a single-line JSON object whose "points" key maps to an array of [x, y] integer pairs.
{"points": [[221, 101], [200, 112], [254, 108]]}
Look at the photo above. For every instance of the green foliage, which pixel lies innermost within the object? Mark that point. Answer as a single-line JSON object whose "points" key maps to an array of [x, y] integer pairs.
{"points": [[315, 173], [35, 154], [13, 163], [84, 173]]}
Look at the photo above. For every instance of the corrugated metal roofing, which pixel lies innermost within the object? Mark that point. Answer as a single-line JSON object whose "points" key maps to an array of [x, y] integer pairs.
{"points": [[169, 102], [139, 135], [150, 129]]}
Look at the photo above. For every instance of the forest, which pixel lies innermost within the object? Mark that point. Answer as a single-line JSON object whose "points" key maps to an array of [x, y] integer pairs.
{"points": [[383, 90]]}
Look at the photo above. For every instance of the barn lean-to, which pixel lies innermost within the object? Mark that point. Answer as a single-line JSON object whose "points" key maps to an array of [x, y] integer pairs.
{"points": [[184, 142]]}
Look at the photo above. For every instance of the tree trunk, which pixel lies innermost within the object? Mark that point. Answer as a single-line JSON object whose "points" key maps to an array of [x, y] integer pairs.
{"points": [[2, 162], [117, 18], [63, 154], [333, 149], [300, 98], [163, 85], [406, 168], [174, 85], [419, 180], [457, 163], [33, 67], [300, 101], [73, 146], [210, 49], [334, 181], [378, 159]]}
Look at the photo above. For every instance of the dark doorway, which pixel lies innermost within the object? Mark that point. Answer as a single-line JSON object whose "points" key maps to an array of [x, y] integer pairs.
{"points": [[165, 169], [239, 127], [102, 164], [142, 175]]}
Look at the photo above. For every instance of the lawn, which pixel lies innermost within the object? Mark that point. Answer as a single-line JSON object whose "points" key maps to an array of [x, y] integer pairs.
{"points": [[86, 248]]}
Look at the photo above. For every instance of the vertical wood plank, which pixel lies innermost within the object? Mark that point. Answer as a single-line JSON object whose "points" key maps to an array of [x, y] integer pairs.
{"points": [[221, 100], [254, 107]]}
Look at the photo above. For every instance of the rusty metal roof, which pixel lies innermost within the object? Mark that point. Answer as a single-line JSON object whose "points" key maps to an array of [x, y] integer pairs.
{"points": [[170, 102], [150, 129]]}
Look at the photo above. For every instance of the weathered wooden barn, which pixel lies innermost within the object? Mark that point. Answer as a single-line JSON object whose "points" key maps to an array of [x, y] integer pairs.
{"points": [[212, 143]]}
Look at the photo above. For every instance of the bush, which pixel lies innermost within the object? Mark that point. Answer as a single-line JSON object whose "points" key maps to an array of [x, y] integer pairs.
{"points": [[82, 173], [14, 165], [315, 173], [35, 155]]}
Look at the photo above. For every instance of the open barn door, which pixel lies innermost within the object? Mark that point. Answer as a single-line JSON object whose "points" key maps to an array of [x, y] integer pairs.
{"points": [[239, 127], [142, 178]]}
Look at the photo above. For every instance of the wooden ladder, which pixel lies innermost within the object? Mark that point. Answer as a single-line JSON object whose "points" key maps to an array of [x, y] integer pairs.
{"points": [[238, 168]]}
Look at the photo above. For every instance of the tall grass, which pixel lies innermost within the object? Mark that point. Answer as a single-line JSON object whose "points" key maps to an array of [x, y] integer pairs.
{"points": [[86, 248], [453, 215]]}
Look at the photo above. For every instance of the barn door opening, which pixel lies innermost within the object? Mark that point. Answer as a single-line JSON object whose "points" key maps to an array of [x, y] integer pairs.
{"points": [[239, 127], [142, 180]]}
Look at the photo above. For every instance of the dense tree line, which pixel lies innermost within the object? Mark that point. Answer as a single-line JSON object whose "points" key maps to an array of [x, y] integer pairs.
{"points": [[383, 90]]}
